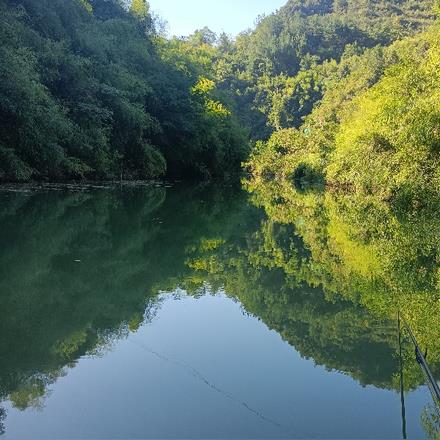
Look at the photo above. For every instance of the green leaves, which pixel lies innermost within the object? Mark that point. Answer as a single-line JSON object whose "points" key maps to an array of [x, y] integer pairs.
{"points": [[86, 92], [375, 130], [140, 9], [393, 127]]}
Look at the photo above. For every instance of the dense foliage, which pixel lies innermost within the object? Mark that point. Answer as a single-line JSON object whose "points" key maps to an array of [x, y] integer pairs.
{"points": [[87, 92], [283, 67], [90, 88], [374, 131], [340, 93]]}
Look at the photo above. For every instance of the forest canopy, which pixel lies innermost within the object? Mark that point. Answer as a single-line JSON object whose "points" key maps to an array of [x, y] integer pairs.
{"points": [[93, 89], [374, 129], [88, 89]]}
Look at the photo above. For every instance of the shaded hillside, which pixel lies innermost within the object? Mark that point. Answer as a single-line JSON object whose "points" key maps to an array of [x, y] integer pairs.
{"points": [[85, 93]]}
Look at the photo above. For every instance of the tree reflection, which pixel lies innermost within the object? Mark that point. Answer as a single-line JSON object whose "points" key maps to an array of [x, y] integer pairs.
{"points": [[81, 269], [431, 422], [328, 272], [2, 420]]}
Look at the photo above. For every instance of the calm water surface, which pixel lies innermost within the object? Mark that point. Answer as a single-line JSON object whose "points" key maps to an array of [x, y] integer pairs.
{"points": [[177, 312]]}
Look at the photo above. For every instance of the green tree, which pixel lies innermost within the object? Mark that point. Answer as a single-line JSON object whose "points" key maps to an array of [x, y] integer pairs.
{"points": [[140, 9], [203, 36]]}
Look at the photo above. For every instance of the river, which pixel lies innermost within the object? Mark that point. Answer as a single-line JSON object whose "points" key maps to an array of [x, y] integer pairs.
{"points": [[199, 311]]}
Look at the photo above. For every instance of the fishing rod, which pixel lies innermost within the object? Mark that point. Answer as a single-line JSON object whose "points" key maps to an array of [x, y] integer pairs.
{"points": [[421, 360]]}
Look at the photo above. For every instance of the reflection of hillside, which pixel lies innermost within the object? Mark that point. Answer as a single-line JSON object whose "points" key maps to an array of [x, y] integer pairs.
{"points": [[368, 260], [83, 269], [339, 336], [366, 251], [336, 334], [79, 269]]}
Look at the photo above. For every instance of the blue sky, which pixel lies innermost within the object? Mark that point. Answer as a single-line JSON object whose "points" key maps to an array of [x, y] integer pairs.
{"points": [[231, 16]]}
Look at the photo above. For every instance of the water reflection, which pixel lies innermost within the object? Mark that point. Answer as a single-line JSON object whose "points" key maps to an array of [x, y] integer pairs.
{"points": [[80, 270]]}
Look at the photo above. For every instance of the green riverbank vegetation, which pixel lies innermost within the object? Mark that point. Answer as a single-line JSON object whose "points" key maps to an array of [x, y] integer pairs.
{"points": [[94, 89], [376, 129]]}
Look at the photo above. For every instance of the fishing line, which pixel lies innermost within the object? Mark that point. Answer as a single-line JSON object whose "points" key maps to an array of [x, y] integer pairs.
{"points": [[199, 376]]}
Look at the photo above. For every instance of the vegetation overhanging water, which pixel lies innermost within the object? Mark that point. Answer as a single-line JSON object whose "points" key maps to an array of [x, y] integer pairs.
{"points": [[332, 107]]}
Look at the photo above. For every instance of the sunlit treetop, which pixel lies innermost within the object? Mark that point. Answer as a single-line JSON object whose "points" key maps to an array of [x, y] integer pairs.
{"points": [[140, 8]]}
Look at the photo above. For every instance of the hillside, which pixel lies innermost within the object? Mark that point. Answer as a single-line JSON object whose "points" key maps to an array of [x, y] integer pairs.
{"points": [[85, 93], [90, 89], [278, 67], [374, 129]]}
